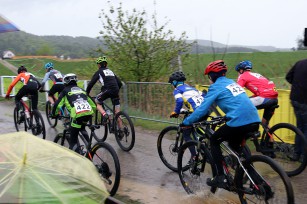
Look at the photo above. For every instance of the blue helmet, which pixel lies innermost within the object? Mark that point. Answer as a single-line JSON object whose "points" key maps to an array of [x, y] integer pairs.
{"points": [[48, 65], [244, 65]]}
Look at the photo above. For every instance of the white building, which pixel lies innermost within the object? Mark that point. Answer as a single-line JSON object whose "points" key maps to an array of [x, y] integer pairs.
{"points": [[8, 54]]}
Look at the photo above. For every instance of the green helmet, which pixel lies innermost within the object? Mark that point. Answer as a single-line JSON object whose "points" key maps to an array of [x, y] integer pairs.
{"points": [[101, 59]]}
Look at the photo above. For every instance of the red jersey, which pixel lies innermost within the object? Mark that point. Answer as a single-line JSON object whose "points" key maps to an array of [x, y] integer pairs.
{"points": [[257, 84]]}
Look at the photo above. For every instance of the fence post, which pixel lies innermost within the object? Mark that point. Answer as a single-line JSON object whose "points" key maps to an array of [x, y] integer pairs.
{"points": [[125, 93]]}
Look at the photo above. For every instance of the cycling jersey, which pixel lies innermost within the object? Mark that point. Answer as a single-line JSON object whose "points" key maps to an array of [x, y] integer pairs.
{"points": [[53, 75], [257, 84], [26, 78], [30, 86], [185, 94], [107, 78], [76, 101], [232, 100]]}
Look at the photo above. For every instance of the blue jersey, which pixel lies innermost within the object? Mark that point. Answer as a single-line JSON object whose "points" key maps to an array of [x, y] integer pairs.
{"points": [[232, 100], [185, 94]]}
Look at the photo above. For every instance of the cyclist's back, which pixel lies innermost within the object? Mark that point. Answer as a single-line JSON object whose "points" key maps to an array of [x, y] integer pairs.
{"points": [[110, 86], [30, 86], [187, 95], [79, 105], [264, 90], [57, 79]]}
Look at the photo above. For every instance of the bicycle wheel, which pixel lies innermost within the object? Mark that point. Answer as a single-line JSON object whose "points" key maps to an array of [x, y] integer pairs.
{"points": [[167, 147], [62, 139], [52, 121], [101, 133], [106, 161], [199, 169], [37, 124], [20, 122], [272, 185], [125, 136], [284, 139]]}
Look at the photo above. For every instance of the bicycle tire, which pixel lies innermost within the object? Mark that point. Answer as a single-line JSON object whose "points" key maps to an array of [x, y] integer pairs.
{"points": [[37, 124], [101, 133], [106, 160], [284, 150], [52, 121], [125, 142], [19, 125], [273, 183], [167, 151], [194, 178], [62, 139]]}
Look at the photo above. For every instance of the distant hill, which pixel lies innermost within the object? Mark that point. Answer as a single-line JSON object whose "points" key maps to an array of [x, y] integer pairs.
{"points": [[22, 43], [206, 47]]}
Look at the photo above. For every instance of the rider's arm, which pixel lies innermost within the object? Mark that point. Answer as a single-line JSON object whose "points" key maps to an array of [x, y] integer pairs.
{"points": [[13, 84], [241, 81], [92, 82], [46, 77], [179, 101]]}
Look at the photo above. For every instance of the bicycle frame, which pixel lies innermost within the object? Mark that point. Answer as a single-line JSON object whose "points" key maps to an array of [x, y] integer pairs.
{"points": [[209, 130]]}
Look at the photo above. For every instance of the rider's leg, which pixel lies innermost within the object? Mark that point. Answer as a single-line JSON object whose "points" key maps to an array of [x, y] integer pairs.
{"points": [[300, 111], [188, 136]]}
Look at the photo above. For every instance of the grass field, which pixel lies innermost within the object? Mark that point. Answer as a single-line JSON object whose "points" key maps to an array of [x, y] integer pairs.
{"points": [[273, 65]]}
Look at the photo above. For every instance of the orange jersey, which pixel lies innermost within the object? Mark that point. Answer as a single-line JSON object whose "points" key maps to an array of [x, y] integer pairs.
{"points": [[23, 77]]}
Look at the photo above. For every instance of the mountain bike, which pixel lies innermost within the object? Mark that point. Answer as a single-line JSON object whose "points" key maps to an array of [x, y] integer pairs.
{"points": [[53, 121], [25, 118], [120, 124], [254, 178], [169, 142], [171, 139], [278, 143], [101, 154]]}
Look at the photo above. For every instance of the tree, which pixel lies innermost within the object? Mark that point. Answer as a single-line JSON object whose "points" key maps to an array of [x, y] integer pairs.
{"points": [[140, 52]]}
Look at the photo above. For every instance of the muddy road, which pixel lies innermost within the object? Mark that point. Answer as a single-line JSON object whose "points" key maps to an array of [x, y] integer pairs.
{"points": [[144, 178]]}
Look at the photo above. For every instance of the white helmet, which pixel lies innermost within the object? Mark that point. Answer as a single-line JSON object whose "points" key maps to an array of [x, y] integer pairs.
{"points": [[70, 77]]}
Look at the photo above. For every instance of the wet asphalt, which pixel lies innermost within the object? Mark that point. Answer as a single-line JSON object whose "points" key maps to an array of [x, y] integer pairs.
{"points": [[144, 177]]}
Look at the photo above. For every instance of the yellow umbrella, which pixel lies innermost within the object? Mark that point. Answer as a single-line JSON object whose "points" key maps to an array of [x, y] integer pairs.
{"points": [[33, 170]]}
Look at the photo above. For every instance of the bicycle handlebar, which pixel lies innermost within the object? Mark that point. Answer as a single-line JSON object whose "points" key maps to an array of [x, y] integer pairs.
{"points": [[215, 120]]}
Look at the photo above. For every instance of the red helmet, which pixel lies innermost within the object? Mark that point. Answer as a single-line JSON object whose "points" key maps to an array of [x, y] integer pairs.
{"points": [[215, 66]]}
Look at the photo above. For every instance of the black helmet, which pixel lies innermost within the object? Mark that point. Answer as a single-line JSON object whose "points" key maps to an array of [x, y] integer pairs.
{"points": [[21, 68], [177, 76]]}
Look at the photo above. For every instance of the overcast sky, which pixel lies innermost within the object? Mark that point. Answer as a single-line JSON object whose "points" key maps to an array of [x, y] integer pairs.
{"points": [[276, 23]]}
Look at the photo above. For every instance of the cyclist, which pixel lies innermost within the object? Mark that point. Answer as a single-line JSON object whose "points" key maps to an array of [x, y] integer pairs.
{"points": [[184, 95], [264, 90], [57, 79], [80, 106], [30, 87], [110, 87], [241, 115]]}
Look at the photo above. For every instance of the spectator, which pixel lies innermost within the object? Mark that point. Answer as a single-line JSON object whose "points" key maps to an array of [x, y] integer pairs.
{"points": [[297, 78]]}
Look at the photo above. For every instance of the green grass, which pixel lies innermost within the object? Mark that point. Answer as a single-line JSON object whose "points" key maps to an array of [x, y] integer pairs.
{"points": [[5, 71], [273, 65], [83, 69]]}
